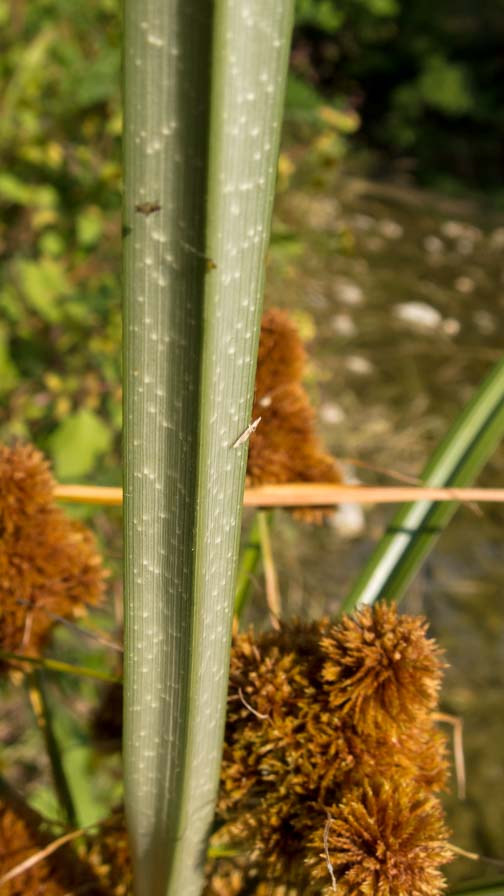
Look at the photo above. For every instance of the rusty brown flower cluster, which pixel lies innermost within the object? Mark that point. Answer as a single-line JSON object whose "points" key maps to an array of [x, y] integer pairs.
{"points": [[332, 765], [332, 759], [285, 447], [49, 563]]}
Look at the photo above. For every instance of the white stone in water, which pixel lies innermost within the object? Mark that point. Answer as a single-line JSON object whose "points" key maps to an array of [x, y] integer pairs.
{"points": [[451, 326], [484, 321], [330, 412], [433, 245], [464, 285], [497, 238], [348, 520], [418, 314], [348, 292], [343, 325], [453, 229], [363, 222], [359, 365], [390, 229], [464, 246]]}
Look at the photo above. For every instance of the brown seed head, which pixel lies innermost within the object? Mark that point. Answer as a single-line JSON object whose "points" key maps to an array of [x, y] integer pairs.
{"points": [[22, 835], [285, 447], [48, 562], [383, 671], [26, 485], [295, 741], [386, 838]]}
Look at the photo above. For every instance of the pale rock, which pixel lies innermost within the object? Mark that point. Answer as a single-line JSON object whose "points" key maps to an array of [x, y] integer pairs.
{"points": [[343, 325], [464, 284], [348, 520], [390, 229], [484, 322], [419, 314], [332, 413], [348, 292], [359, 365], [433, 245]]}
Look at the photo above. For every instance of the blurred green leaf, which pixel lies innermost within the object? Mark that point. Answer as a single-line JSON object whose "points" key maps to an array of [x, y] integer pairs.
{"points": [[443, 85], [14, 190], [9, 374], [89, 226], [78, 442], [94, 85], [322, 14], [43, 283]]}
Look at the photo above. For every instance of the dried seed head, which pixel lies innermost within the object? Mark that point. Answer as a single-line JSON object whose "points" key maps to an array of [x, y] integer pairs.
{"points": [[383, 670], [23, 834], [26, 485], [297, 740], [385, 838], [49, 564], [285, 447], [109, 856]]}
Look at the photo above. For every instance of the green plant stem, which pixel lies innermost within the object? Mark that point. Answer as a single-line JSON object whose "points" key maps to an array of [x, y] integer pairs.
{"points": [[43, 715], [415, 529], [249, 561], [270, 573], [58, 666], [203, 94]]}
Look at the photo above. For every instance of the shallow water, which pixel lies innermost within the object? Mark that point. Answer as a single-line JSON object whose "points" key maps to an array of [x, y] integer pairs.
{"points": [[402, 293]]}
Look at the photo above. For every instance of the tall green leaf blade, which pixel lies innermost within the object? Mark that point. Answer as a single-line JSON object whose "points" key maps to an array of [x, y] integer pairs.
{"points": [[414, 530], [203, 93]]}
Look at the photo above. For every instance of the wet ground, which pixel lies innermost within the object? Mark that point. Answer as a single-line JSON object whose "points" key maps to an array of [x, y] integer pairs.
{"points": [[402, 295]]}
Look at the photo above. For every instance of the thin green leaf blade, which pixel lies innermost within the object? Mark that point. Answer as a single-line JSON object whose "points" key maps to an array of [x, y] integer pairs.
{"points": [[416, 527]]}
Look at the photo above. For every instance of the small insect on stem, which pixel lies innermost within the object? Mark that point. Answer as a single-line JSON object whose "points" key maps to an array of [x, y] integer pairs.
{"points": [[245, 436], [147, 208]]}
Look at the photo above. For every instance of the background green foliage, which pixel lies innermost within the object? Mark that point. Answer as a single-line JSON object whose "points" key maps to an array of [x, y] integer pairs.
{"points": [[426, 77], [413, 81], [60, 231]]}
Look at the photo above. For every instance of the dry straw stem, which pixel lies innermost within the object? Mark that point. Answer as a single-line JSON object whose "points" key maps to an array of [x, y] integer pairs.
{"points": [[305, 495], [31, 861], [39, 856]]}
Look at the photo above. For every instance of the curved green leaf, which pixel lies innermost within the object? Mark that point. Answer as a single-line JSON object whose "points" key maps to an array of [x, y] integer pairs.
{"points": [[415, 529]]}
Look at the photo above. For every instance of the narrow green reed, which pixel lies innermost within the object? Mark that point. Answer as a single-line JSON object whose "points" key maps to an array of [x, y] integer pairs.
{"points": [[415, 528], [203, 94]]}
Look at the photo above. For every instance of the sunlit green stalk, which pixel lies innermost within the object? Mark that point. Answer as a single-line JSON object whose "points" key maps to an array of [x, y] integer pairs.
{"points": [[270, 574], [203, 94], [58, 666], [415, 529], [249, 561], [43, 715]]}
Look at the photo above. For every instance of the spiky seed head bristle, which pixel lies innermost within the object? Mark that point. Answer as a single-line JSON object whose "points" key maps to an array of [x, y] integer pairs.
{"points": [[383, 670], [385, 838], [49, 563], [285, 447]]}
